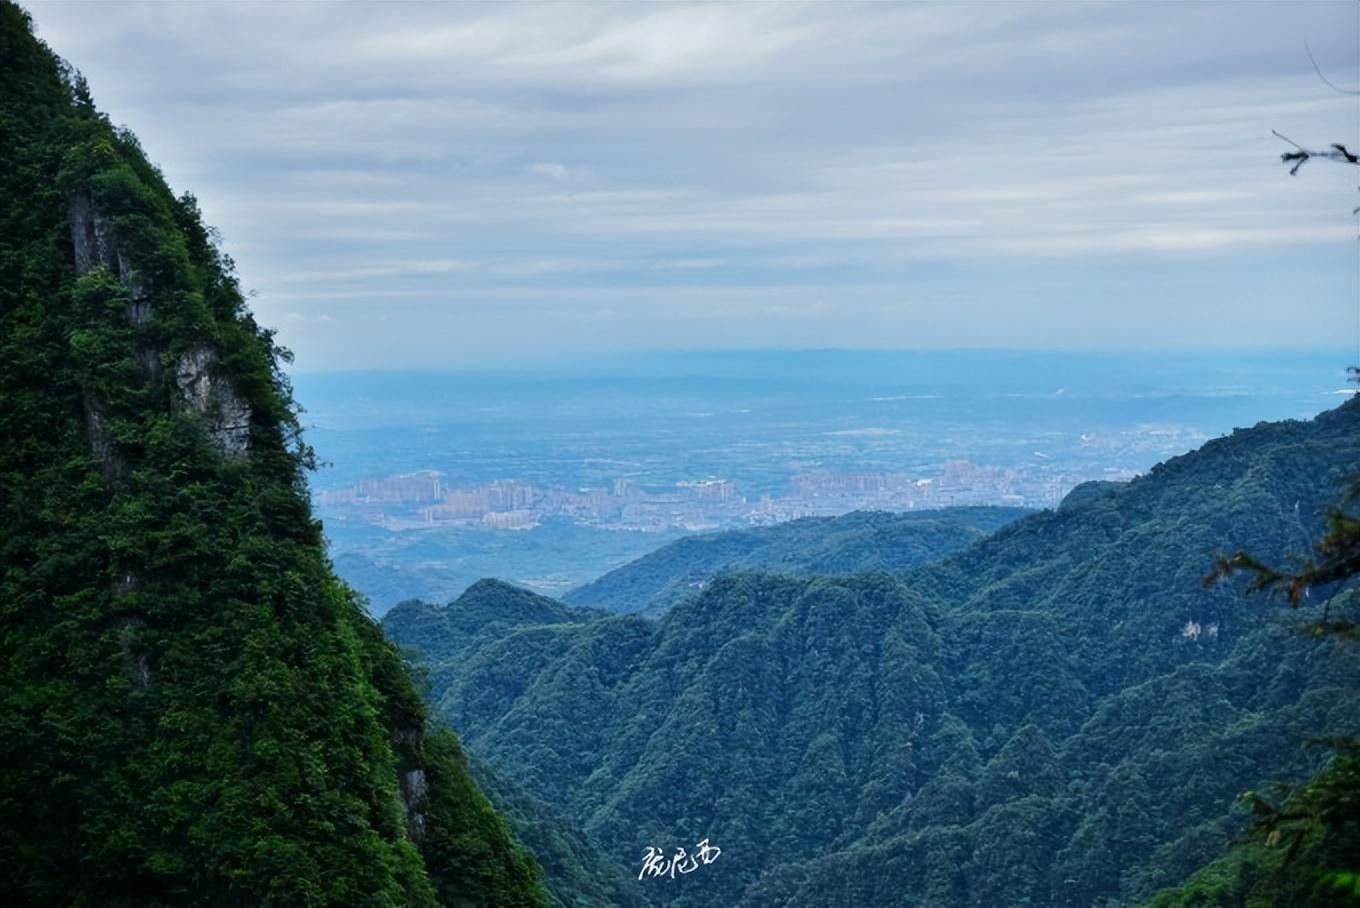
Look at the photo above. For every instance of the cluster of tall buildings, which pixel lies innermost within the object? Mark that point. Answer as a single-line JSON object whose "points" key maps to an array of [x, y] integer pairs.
{"points": [[425, 498], [501, 496], [423, 485]]}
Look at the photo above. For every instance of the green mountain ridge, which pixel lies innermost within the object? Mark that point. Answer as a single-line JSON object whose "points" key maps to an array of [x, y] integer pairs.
{"points": [[1057, 714], [852, 543], [577, 872], [950, 709], [195, 711]]}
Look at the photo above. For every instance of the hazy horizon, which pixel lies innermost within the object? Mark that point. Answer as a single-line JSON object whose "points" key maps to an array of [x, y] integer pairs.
{"points": [[419, 185], [586, 443], [735, 453], [585, 360]]}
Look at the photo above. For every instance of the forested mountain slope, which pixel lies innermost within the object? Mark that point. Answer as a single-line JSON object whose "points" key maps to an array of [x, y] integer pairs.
{"points": [[1060, 714], [193, 709], [861, 541], [576, 872]]}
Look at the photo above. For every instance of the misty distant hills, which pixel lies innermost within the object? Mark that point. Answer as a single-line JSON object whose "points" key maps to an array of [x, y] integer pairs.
{"points": [[1059, 713], [853, 543]]}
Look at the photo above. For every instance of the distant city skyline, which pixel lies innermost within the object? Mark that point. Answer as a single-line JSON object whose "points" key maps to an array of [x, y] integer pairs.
{"points": [[426, 186]]}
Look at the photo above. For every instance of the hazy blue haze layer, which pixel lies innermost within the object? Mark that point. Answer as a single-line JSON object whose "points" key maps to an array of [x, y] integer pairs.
{"points": [[757, 418]]}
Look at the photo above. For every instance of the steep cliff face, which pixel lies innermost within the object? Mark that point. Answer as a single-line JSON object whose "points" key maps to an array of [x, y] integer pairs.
{"points": [[205, 391], [203, 387], [193, 709]]}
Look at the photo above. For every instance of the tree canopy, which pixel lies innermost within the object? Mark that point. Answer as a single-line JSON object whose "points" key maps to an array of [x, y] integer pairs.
{"points": [[193, 708]]}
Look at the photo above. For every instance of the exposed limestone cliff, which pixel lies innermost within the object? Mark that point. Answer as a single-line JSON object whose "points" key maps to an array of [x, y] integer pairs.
{"points": [[202, 389], [209, 394]]}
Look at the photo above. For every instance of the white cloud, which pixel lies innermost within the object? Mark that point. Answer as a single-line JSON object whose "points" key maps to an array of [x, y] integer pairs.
{"points": [[682, 162], [551, 170]]}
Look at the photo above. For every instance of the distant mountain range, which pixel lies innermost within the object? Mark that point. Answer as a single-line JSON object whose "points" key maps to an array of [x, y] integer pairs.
{"points": [[974, 707], [857, 542], [1059, 713]]}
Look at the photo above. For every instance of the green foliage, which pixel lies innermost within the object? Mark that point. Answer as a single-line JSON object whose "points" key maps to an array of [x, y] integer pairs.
{"points": [[1298, 846], [193, 710], [853, 543], [576, 872], [1058, 714], [1335, 558]]}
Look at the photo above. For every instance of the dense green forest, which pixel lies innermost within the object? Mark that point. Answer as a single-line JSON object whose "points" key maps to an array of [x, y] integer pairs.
{"points": [[1058, 714], [965, 708], [193, 709], [576, 871], [853, 543]]}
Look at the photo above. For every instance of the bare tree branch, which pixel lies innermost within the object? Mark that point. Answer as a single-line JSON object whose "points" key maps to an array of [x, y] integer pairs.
{"points": [[1338, 153], [1325, 80]]}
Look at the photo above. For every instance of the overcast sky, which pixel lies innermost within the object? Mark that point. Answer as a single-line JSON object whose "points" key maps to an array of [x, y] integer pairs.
{"points": [[433, 185]]}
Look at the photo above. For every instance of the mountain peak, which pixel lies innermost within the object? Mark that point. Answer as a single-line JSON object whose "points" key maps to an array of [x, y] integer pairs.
{"points": [[197, 710]]}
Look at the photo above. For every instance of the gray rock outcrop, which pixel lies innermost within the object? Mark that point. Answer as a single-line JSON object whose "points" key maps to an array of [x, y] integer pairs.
{"points": [[207, 393], [202, 389]]}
